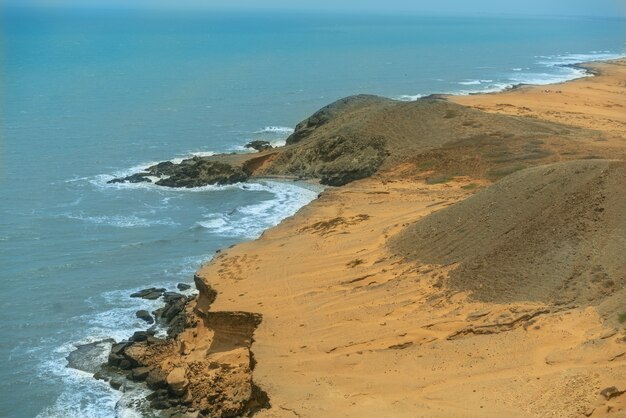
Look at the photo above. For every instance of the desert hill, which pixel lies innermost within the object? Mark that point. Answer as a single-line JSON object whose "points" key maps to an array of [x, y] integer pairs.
{"points": [[360, 135], [553, 234]]}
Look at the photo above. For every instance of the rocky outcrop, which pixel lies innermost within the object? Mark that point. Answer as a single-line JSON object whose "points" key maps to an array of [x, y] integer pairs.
{"points": [[214, 381], [259, 145], [333, 111], [151, 293], [183, 286], [145, 316], [88, 357], [143, 177], [192, 172], [197, 172], [336, 161], [357, 136]]}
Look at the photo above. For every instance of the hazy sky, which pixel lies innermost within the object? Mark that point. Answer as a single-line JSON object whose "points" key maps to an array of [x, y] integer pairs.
{"points": [[615, 8]]}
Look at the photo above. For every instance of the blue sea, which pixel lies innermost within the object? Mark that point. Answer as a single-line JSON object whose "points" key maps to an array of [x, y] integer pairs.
{"points": [[89, 95]]}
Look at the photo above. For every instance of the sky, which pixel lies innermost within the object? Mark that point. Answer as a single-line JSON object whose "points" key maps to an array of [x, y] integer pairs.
{"points": [[591, 8]]}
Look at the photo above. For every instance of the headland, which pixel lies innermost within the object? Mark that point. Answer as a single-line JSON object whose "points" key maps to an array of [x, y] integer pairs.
{"points": [[467, 259]]}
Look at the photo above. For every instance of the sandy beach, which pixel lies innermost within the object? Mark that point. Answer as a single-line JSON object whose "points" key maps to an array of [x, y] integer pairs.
{"points": [[389, 297], [591, 102]]}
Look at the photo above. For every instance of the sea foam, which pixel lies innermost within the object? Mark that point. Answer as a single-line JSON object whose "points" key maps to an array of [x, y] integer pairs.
{"points": [[548, 69], [119, 221], [408, 97], [82, 395], [275, 130], [251, 220]]}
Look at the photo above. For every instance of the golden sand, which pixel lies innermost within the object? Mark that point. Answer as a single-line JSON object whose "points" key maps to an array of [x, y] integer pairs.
{"points": [[351, 330]]}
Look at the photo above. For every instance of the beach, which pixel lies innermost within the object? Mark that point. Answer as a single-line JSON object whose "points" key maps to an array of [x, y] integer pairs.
{"points": [[341, 311], [590, 102], [141, 145]]}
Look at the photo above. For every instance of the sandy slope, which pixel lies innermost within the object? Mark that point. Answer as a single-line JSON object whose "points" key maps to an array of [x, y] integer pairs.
{"points": [[399, 296], [351, 330], [553, 234]]}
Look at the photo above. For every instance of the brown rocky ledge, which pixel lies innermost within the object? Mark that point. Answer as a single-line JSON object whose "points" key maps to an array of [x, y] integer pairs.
{"points": [[203, 367]]}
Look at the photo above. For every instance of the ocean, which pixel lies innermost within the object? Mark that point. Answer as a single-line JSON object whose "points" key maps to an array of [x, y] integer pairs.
{"points": [[90, 95]]}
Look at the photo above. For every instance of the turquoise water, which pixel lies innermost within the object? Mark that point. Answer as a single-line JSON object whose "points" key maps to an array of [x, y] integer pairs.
{"points": [[87, 96]]}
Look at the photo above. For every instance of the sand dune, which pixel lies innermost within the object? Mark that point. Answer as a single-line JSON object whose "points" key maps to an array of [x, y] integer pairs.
{"points": [[552, 234]]}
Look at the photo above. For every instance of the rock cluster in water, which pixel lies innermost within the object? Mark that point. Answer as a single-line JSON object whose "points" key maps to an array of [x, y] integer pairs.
{"points": [[121, 366], [259, 145], [192, 172]]}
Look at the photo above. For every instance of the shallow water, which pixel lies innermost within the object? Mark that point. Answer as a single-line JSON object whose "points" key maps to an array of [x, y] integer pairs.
{"points": [[88, 96]]}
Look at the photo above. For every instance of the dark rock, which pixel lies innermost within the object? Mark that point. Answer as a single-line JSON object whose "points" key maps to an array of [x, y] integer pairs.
{"points": [[114, 359], [612, 392], [336, 160], [176, 326], [259, 145], [181, 415], [125, 364], [139, 336], [182, 286], [139, 374], [118, 348], [116, 383], [159, 399], [89, 357], [101, 375], [134, 178], [153, 340], [175, 307], [166, 168], [197, 172], [161, 404], [151, 293], [158, 393], [157, 313], [170, 297], [152, 296], [156, 379], [145, 315]]}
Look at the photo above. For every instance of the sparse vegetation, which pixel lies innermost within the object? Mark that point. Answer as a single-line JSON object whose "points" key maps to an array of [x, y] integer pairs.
{"points": [[622, 317], [439, 179], [470, 186], [427, 165], [498, 173], [355, 263], [450, 114]]}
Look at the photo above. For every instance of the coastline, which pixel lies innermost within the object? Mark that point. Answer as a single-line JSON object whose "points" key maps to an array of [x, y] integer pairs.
{"points": [[170, 88], [317, 305], [553, 108]]}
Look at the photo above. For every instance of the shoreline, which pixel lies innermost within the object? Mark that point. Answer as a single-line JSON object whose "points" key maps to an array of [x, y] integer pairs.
{"points": [[588, 67], [584, 66], [329, 220]]}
